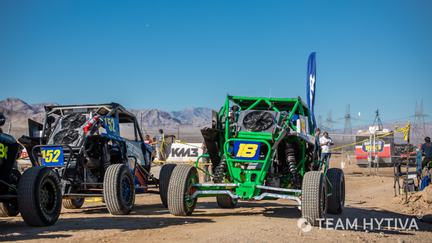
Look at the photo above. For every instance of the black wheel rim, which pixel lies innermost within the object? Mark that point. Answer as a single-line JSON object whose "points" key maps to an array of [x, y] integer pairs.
{"points": [[47, 196], [78, 201], [126, 189]]}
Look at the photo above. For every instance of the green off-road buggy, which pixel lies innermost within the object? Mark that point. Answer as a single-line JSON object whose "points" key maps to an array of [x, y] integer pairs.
{"points": [[260, 148]]}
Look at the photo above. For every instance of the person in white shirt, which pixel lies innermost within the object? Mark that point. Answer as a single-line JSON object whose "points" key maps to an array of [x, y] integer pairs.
{"points": [[325, 143]]}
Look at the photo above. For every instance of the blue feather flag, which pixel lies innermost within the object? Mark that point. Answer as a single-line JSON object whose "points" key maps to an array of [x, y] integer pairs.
{"points": [[310, 87]]}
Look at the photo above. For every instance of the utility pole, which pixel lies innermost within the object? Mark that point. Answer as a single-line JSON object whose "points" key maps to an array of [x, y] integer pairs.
{"points": [[347, 117]]}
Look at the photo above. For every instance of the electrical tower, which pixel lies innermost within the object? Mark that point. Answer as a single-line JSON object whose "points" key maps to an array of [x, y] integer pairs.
{"points": [[329, 122], [377, 121], [419, 125]]}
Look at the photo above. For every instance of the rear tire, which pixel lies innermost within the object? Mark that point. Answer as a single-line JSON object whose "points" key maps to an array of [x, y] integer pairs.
{"points": [[119, 189], [336, 201], [39, 196], [180, 190], [225, 201], [314, 197], [164, 178], [73, 203]]}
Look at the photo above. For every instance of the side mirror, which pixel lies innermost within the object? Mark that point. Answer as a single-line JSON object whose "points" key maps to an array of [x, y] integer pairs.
{"points": [[35, 128], [50, 120], [2, 119]]}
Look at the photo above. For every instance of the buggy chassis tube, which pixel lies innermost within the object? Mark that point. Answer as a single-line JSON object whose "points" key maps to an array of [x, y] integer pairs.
{"points": [[210, 189], [214, 193]]}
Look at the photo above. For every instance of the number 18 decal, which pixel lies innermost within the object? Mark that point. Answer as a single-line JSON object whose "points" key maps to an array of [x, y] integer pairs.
{"points": [[246, 150]]}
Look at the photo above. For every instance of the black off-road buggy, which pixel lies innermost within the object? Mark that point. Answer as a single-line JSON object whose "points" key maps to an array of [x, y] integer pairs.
{"points": [[95, 151], [36, 188]]}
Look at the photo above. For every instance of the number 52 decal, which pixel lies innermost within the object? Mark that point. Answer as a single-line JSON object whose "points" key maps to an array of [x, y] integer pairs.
{"points": [[246, 150], [52, 156]]}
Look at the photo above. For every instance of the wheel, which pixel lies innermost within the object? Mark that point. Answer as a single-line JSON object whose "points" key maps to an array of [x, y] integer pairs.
{"points": [[180, 190], [314, 197], [73, 203], [10, 208], [39, 196], [225, 201], [336, 200], [164, 178], [119, 189]]}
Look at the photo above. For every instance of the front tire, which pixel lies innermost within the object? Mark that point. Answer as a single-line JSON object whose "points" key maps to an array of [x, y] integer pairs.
{"points": [[314, 197], [336, 200], [119, 189], [164, 178], [73, 203], [39, 196], [180, 190]]}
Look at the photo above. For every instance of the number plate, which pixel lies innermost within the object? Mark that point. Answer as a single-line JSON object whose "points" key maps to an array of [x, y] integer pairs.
{"points": [[246, 150], [52, 156]]}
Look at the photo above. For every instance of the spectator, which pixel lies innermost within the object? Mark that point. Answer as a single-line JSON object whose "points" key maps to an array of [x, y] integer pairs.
{"points": [[325, 143], [426, 149], [160, 147], [148, 140], [205, 161], [2, 121], [317, 142]]}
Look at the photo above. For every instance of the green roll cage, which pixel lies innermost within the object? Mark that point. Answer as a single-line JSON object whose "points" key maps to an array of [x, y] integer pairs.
{"points": [[245, 183]]}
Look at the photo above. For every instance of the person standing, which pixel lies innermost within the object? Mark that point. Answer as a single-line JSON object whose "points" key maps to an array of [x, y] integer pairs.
{"points": [[325, 143], [205, 161], [317, 149], [2, 121], [160, 139], [426, 150], [148, 140]]}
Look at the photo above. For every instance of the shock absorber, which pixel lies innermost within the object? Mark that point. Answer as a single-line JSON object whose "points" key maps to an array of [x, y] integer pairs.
{"points": [[219, 172], [292, 163], [106, 156]]}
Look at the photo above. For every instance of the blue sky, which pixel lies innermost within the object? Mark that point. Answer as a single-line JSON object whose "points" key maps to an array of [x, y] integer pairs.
{"points": [[177, 54]]}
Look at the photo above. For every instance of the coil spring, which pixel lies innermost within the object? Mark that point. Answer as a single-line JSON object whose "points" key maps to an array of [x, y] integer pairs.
{"points": [[292, 163], [219, 172]]}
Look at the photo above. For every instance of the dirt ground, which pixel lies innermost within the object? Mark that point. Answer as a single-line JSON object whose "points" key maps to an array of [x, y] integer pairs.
{"points": [[367, 197]]}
